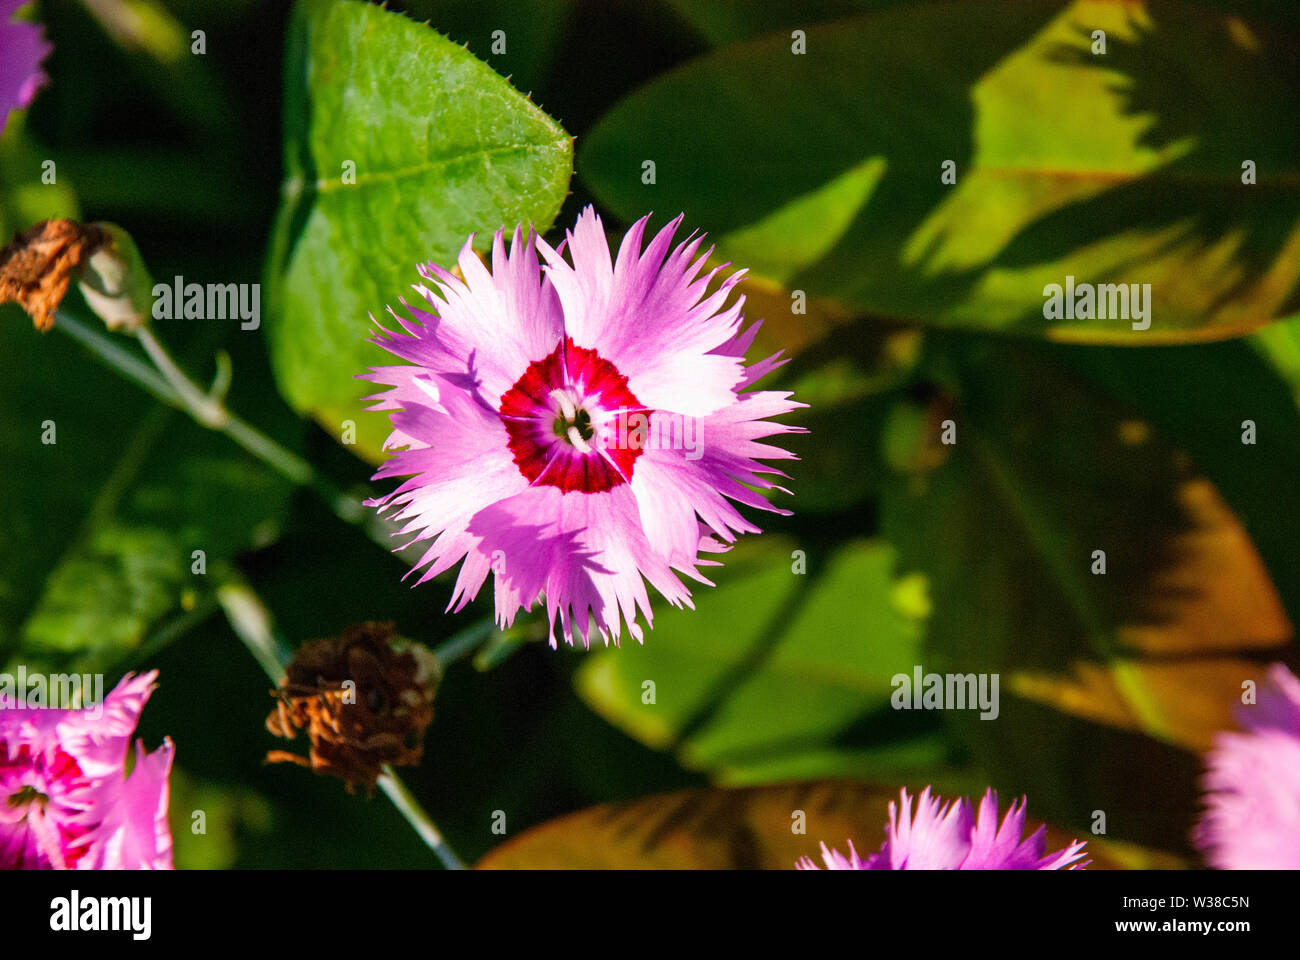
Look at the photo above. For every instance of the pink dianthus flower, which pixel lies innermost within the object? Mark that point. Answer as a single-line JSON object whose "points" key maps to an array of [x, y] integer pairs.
{"points": [[577, 425]]}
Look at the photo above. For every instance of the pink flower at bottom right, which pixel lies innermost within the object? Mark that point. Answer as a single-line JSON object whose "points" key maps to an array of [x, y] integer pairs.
{"points": [[1252, 784]]}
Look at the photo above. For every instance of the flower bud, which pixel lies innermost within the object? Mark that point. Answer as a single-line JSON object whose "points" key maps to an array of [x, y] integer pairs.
{"points": [[115, 281]]}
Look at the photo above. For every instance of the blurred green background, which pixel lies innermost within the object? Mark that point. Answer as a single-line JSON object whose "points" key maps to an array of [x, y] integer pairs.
{"points": [[819, 170]]}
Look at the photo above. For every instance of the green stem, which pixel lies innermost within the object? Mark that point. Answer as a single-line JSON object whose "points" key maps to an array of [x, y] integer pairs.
{"points": [[168, 383], [203, 408], [252, 623], [410, 808], [464, 643], [124, 362]]}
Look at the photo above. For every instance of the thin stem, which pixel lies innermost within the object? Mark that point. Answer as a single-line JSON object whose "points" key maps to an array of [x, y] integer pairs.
{"points": [[464, 643], [410, 808], [124, 362], [252, 623], [177, 390], [205, 409]]}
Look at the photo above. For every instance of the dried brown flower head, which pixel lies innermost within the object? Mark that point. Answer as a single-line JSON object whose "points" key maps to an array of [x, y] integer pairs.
{"points": [[36, 268], [362, 702]]}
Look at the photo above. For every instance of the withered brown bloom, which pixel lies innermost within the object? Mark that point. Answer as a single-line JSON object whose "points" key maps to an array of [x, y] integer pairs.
{"points": [[37, 266], [361, 701]]}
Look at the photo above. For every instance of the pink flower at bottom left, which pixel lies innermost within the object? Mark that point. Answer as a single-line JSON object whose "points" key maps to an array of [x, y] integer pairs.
{"points": [[66, 801]]}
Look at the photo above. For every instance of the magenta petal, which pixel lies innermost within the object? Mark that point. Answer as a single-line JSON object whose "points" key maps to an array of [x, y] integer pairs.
{"points": [[22, 48], [952, 836], [99, 738], [834, 860], [648, 314], [133, 833], [1252, 784]]}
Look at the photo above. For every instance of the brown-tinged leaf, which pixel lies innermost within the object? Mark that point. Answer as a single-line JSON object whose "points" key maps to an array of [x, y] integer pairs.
{"points": [[715, 828], [1211, 621], [1046, 476], [1075, 550], [1144, 180]]}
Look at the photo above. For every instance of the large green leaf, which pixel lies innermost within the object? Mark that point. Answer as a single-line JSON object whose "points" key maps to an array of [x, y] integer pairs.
{"points": [[726, 21], [823, 170], [782, 671], [747, 829], [1103, 670], [519, 39], [441, 147], [1209, 398]]}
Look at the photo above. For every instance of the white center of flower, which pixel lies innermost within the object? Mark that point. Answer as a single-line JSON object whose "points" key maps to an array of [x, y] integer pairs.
{"points": [[572, 422]]}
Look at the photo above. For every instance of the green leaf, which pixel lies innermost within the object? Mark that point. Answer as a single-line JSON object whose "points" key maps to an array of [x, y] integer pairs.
{"points": [[107, 497], [1095, 661], [823, 170], [745, 829], [726, 21], [531, 33], [778, 673], [47, 488], [846, 372], [177, 492], [1280, 346], [229, 814], [25, 199], [1210, 399], [441, 147]]}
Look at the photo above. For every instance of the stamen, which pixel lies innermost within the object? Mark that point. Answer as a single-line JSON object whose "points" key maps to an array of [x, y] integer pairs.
{"points": [[575, 438], [28, 794], [567, 407]]}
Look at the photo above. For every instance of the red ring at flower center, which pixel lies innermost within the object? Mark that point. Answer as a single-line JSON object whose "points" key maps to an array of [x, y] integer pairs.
{"points": [[562, 417]]}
